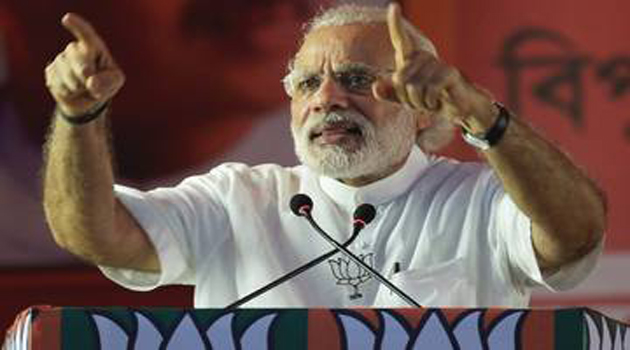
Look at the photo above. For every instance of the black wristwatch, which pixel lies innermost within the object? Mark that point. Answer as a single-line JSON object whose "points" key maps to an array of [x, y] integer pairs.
{"points": [[485, 140]]}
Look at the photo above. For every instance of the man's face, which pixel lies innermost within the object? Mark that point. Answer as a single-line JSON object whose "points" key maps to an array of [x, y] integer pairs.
{"points": [[340, 129]]}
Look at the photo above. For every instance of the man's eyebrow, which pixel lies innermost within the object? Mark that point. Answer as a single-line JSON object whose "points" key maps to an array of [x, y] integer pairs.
{"points": [[299, 73], [302, 72], [356, 66], [362, 67]]}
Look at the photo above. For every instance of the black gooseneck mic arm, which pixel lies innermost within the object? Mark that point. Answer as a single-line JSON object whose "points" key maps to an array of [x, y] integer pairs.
{"points": [[305, 210], [363, 215]]}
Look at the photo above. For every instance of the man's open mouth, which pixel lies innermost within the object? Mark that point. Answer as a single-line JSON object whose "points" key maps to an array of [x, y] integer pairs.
{"points": [[333, 132]]}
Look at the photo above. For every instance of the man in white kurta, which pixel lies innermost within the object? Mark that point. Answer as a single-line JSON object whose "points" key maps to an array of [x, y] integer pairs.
{"points": [[370, 101], [454, 234]]}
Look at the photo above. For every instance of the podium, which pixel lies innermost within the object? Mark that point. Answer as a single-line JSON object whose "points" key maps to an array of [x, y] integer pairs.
{"points": [[74, 328]]}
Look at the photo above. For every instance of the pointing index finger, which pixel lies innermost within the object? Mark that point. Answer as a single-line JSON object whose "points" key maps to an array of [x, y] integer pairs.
{"points": [[403, 45], [82, 30]]}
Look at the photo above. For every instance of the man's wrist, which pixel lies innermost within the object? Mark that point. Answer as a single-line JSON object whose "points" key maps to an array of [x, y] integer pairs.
{"points": [[87, 117], [481, 121], [490, 136]]}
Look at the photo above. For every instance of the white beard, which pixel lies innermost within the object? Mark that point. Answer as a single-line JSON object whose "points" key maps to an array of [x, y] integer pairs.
{"points": [[378, 150]]}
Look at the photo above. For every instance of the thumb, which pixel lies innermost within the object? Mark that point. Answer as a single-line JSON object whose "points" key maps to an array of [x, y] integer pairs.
{"points": [[104, 85]]}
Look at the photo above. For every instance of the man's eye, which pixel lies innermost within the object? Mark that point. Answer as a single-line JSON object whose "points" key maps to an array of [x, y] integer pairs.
{"points": [[309, 84], [356, 81]]}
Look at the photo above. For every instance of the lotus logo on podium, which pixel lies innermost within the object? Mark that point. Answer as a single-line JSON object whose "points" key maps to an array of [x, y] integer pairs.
{"points": [[348, 272]]}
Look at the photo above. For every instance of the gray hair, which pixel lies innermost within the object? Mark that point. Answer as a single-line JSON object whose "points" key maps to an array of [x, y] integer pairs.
{"points": [[440, 132], [361, 14]]}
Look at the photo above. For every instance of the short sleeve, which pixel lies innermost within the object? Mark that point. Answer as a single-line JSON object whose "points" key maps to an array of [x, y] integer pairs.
{"points": [[515, 230], [177, 220], [145, 212]]}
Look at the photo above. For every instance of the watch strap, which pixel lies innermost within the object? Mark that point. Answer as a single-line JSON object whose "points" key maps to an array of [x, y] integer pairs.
{"points": [[88, 116], [494, 134]]}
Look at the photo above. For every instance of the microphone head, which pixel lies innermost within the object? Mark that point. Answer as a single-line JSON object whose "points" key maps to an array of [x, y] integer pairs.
{"points": [[364, 214], [301, 204]]}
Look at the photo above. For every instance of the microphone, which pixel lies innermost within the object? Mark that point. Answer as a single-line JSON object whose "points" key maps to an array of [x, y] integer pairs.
{"points": [[363, 215], [303, 207], [301, 204]]}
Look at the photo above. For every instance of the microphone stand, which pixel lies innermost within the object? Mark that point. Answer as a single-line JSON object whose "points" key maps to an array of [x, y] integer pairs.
{"points": [[295, 272], [378, 276]]}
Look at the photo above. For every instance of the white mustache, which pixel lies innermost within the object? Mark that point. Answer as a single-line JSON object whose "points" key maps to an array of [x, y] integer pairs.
{"points": [[320, 121]]}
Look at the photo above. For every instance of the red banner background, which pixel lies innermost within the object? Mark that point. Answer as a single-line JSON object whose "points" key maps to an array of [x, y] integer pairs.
{"points": [[583, 56], [203, 87]]}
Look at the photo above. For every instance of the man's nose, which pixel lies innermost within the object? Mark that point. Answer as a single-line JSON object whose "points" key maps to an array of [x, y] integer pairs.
{"points": [[329, 96]]}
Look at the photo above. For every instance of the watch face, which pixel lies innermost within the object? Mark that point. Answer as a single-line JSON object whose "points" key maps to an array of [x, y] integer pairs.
{"points": [[475, 141], [486, 140]]}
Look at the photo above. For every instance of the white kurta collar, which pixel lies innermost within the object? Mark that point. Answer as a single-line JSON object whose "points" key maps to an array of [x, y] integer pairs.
{"points": [[378, 192]]}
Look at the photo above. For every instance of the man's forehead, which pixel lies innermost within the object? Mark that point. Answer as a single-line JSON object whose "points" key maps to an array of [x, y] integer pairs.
{"points": [[368, 44]]}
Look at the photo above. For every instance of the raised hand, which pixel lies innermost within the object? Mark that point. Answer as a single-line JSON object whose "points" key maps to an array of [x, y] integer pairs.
{"points": [[84, 76], [422, 81]]}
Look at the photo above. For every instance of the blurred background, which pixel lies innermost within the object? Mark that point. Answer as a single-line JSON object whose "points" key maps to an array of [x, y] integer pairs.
{"points": [[203, 87]]}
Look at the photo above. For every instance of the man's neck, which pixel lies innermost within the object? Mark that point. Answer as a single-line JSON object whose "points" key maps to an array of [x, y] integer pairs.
{"points": [[368, 179]]}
